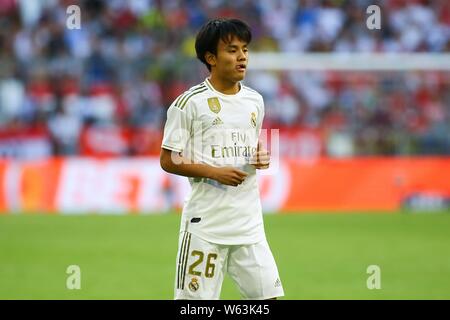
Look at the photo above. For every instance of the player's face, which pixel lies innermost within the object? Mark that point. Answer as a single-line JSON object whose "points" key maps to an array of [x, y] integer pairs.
{"points": [[231, 60]]}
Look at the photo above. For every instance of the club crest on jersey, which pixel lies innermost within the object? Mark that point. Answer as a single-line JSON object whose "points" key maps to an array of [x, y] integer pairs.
{"points": [[214, 104], [194, 285], [253, 119]]}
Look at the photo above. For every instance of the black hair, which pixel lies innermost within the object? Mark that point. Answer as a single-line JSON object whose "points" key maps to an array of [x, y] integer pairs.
{"points": [[210, 33]]}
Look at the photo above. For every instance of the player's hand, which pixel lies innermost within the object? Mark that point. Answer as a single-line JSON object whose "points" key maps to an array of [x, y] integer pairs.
{"points": [[261, 159], [229, 176]]}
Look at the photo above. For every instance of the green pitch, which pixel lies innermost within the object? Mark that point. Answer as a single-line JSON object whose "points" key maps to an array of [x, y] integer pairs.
{"points": [[133, 257]]}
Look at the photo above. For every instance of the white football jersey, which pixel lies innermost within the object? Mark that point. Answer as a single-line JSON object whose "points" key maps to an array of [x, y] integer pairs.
{"points": [[217, 129]]}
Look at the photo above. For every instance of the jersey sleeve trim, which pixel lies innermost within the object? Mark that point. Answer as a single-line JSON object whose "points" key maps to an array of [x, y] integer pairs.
{"points": [[180, 102], [185, 100], [171, 148]]}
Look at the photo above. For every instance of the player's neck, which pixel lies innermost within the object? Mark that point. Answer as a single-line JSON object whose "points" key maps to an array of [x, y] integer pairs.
{"points": [[224, 86]]}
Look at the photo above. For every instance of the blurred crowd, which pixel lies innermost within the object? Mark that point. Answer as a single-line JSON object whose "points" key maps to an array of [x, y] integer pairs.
{"points": [[119, 73]]}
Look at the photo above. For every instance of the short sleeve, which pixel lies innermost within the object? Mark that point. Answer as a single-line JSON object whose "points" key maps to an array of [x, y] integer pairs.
{"points": [[177, 130], [260, 116]]}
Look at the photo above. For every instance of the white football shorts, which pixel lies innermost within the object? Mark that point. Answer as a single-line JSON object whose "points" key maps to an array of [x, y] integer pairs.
{"points": [[201, 266]]}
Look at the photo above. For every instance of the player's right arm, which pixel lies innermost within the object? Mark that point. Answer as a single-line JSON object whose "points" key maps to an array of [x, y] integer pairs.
{"points": [[173, 162], [177, 133]]}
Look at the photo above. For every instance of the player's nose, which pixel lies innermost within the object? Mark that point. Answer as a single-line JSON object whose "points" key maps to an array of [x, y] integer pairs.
{"points": [[242, 57]]}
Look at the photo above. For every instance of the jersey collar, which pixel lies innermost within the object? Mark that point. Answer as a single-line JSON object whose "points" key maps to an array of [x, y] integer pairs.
{"points": [[210, 86]]}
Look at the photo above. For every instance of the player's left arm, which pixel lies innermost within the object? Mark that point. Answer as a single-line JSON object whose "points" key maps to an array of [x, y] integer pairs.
{"points": [[261, 160]]}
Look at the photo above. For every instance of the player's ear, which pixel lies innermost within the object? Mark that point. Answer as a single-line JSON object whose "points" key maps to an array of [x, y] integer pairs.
{"points": [[210, 58]]}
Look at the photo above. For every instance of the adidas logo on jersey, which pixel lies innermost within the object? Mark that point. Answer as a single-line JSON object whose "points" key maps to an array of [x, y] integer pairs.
{"points": [[217, 121], [277, 283]]}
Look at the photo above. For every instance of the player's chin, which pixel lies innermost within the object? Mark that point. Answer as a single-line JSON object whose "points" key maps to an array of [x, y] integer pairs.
{"points": [[240, 75]]}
